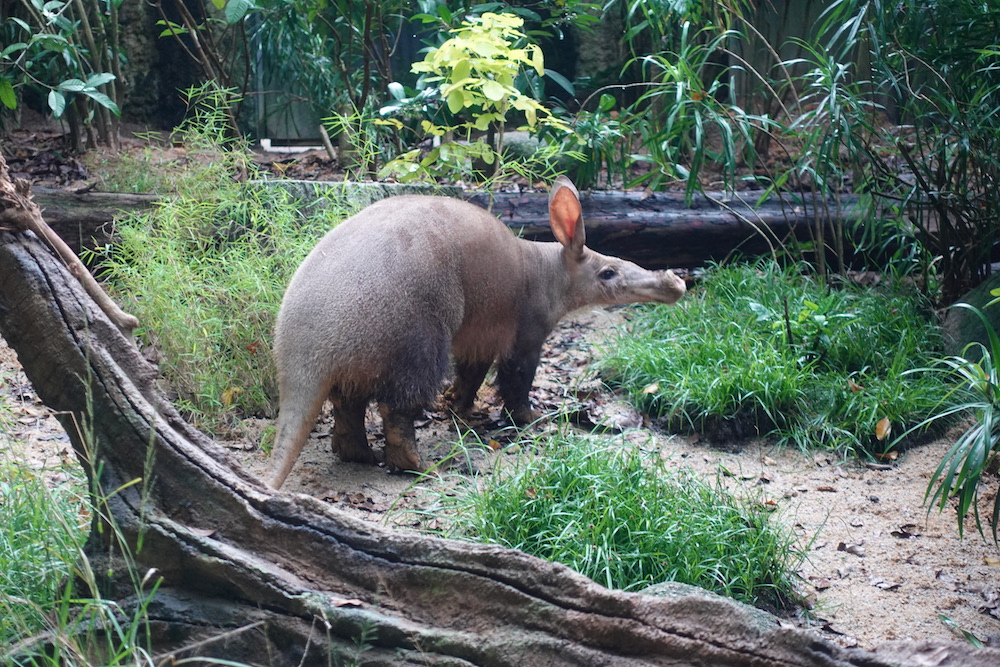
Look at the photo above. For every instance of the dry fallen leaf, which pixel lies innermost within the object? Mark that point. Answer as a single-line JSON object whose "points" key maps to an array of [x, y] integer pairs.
{"points": [[855, 549], [879, 582], [906, 531], [992, 561], [821, 584], [651, 388], [883, 429], [203, 532], [230, 395], [31, 411], [854, 386]]}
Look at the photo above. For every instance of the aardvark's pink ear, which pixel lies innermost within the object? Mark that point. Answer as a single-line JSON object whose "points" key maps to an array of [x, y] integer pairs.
{"points": [[565, 215]]}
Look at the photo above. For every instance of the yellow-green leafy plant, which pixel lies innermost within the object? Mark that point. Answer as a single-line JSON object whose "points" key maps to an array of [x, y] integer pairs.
{"points": [[477, 72]]}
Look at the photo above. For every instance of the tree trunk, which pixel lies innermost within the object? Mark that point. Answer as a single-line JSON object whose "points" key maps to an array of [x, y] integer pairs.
{"points": [[274, 578]]}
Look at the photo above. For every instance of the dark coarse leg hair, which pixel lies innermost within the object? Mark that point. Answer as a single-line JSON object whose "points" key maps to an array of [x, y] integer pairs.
{"points": [[350, 441]]}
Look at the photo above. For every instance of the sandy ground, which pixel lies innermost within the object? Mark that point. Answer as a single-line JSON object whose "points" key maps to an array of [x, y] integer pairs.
{"points": [[878, 566]]}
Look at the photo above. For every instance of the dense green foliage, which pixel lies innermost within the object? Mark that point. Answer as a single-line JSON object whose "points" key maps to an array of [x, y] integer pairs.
{"points": [[611, 512], [69, 54], [205, 277], [770, 351], [932, 169]]}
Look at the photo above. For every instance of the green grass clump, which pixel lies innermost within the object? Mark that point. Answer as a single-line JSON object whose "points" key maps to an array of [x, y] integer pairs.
{"points": [[614, 514], [762, 350], [41, 532]]}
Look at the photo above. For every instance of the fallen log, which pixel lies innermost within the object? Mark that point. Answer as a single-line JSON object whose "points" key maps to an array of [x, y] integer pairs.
{"points": [[656, 230], [662, 229], [84, 219]]}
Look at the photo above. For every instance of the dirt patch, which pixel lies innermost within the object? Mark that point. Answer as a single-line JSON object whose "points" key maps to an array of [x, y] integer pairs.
{"points": [[879, 567]]}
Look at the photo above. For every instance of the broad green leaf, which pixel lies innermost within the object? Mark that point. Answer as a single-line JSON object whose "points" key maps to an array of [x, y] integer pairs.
{"points": [[63, 23], [526, 13], [462, 70], [397, 91], [171, 28], [565, 83], [236, 10], [432, 157], [483, 47], [530, 117], [57, 102], [537, 60], [103, 100], [450, 151], [493, 90], [170, 32], [761, 311], [72, 86], [432, 129], [456, 100], [490, 19], [462, 85], [390, 122], [7, 96], [99, 79], [56, 43], [17, 46]]}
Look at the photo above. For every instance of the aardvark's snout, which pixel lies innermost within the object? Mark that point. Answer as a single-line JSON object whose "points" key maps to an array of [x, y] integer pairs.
{"points": [[672, 287]]}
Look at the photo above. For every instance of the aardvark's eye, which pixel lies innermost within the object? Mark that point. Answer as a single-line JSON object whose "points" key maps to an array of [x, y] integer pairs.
{"points": [[607, 274]]}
